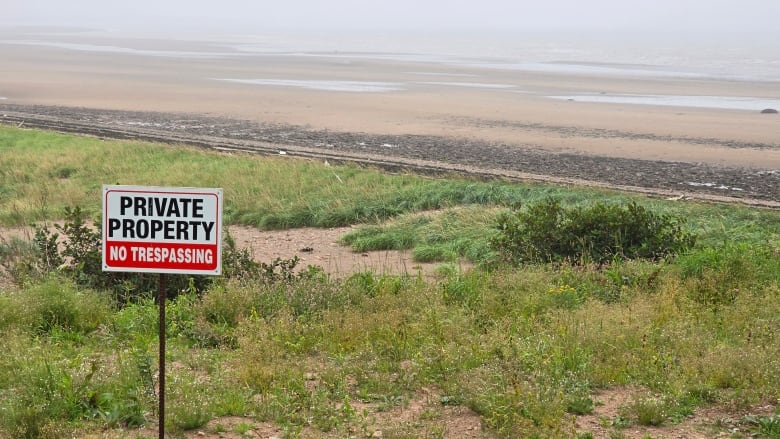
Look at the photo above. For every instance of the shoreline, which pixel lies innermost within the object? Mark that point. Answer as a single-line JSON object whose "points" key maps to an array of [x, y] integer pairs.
{"points": [[425, 154]]}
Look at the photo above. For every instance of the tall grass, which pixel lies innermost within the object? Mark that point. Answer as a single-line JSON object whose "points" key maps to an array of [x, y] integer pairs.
{"points": [[41, 173], [523, 348]]}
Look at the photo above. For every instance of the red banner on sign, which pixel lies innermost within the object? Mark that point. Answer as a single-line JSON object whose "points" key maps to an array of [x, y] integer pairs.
{"points": [[166, 256]]}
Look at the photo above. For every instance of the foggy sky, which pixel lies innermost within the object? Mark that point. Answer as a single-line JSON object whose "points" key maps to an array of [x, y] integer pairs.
{"points": [[758, 17]]}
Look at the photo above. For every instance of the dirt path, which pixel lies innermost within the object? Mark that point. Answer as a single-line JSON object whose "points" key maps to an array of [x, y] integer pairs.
{"points": [[320, 247]]}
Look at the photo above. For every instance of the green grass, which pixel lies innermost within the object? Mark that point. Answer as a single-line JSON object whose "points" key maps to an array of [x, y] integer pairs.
{"points": [[526, 348], [265, 192]]}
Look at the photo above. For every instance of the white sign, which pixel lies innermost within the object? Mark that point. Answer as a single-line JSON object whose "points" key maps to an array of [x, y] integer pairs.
{"points": [[162, 230]]}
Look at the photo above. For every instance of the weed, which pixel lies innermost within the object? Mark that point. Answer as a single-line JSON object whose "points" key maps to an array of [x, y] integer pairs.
{"points": [[580, 405], [243, 428], [188, 404], [54, 304], [649, 411], [765, 426], [718, 275]]}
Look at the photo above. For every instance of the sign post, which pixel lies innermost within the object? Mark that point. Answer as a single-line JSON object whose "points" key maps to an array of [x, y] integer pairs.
{"points": [[165, 230]]}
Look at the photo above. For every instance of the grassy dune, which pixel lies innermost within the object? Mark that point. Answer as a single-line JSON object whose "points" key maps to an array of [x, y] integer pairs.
{"points": [[527, 348]]}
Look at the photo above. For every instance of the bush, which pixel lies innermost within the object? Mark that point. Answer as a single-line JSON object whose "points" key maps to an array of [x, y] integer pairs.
{"points": [[548, 232], [76, 252], [717, 275], [52, 305], [78, 256]]}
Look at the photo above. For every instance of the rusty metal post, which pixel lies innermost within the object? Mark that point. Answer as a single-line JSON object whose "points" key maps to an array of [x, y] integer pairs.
{"points": [[161, 298]]}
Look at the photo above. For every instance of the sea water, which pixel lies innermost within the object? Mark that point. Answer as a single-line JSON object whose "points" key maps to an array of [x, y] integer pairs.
{"points": [[475, 58]]}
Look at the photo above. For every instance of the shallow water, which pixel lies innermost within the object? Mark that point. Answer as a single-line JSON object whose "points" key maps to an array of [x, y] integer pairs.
{"points": [[99, 48], [469, 84], [327, 85], [721, 102], [568, 54], [495, 62]]}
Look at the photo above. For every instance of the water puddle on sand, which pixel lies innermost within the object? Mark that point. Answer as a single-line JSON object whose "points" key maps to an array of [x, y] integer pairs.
{"points": [[327, 85], [719, 102], [469, 84], [715, 186]]}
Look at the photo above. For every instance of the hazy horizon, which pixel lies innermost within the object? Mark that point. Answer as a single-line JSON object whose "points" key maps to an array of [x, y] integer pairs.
{"points": [[717, 18]]}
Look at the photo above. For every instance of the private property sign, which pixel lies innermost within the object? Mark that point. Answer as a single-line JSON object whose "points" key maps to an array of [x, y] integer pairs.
{"points": [[162, 230]]}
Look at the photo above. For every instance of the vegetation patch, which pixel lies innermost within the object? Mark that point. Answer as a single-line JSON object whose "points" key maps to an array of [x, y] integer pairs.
{"points": [[549, 232], [526, 347]]}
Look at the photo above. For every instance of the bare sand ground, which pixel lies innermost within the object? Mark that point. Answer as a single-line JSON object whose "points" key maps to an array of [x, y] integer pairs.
{"points": [[320, 248]]}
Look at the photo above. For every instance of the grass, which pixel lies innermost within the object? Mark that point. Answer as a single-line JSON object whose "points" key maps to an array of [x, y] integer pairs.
{"points": [[526, 348], [265, 192]]}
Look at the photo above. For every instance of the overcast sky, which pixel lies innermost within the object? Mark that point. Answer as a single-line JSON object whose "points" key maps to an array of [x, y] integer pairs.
{"points": [[737, 16]]}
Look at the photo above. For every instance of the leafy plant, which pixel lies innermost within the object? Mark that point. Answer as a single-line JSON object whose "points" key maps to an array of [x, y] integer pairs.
{"points": [[76, 252], [765, 426], [648, 411], [717, 275], [548, 232]]}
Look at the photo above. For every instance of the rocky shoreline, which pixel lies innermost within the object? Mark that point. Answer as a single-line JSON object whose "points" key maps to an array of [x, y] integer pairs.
{"points": [[759, 187]]}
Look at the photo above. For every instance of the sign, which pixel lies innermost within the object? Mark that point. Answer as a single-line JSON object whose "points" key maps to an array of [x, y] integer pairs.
{"points": [[162, 230]]}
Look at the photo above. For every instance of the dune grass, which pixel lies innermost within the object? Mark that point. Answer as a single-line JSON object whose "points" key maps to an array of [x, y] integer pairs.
{"points": [[42, 172], [527, 348]]}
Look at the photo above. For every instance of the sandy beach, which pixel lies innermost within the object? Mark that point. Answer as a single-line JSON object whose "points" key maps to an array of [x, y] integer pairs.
{"points": [[547, 109]]}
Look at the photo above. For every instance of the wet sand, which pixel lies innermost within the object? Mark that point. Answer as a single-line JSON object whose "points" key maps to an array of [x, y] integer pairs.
{"points": [[498, 112]]}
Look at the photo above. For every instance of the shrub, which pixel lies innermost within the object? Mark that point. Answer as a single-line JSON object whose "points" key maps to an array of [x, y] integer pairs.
{"points": [[76, 252], [548, 232], [52, 305], [717, 275]]}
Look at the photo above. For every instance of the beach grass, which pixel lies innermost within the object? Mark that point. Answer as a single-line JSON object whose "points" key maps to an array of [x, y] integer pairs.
{"points": [[526, 348]]}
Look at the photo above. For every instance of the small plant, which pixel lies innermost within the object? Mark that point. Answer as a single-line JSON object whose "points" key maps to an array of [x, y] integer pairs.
{"points": [[648, 411], [580, 405], [431, 253], [565, 296], [764, 426], [462, 289], [243, 428]]}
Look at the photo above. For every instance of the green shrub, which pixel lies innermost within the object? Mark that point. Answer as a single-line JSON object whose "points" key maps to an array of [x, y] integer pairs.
{"points": [[54, 304], [548, 232], [718, 275], [79, 258]]}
